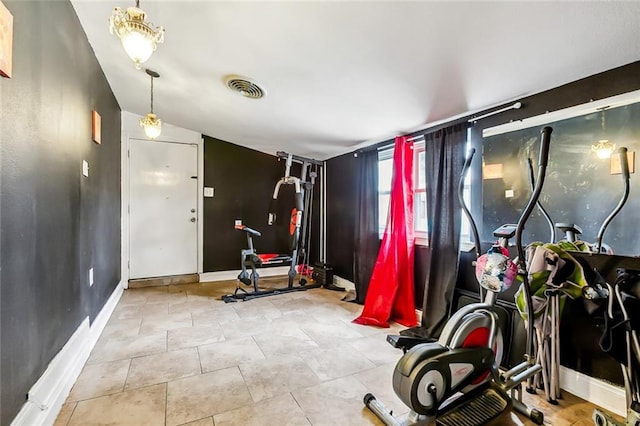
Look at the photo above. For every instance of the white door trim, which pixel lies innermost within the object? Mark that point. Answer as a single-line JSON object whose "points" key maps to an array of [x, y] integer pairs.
{"points": [[130, 129]]}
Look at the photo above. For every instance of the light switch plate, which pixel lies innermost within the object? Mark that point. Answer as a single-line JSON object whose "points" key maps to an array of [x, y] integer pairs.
{"points": [[90, 277], [208, 192], [85, 168], [508, 193]]}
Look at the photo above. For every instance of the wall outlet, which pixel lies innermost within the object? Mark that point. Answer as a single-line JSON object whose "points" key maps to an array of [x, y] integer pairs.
{"points": [[238, 222], [90, 277], [208, 192], [508, 193], [85, 168]]}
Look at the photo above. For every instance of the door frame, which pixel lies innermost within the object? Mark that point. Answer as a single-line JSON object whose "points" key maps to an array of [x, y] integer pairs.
{"points": [[130, 129]]}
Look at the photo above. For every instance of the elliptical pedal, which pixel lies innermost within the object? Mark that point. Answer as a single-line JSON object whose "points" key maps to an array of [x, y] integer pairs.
{"points": [[479, 410]]}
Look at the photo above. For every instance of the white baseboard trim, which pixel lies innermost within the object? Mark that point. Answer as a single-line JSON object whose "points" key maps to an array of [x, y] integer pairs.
{"points": [[103, 316], [343, 282], [232, 275], [605, 395], [46, 396]]}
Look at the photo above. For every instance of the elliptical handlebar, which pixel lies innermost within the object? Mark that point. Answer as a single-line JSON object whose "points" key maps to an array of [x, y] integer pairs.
{"points": [[465, 208], [535, 196], [624, 166], [532, 181]]}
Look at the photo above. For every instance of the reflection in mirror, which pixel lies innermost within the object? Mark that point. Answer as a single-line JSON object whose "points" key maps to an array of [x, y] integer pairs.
{"points": [[581, 189]]}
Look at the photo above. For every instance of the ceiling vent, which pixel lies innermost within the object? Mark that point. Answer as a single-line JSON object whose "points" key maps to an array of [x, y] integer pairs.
{"points": [[245, 87]]}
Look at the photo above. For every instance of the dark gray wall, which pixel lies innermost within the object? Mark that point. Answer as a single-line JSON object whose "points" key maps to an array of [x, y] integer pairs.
{"points": [[244, 180], [55, 224]]}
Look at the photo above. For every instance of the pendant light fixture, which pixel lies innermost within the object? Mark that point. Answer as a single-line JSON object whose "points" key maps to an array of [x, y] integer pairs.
{"points": [[151, 124], [139, 38], [603, 148]]}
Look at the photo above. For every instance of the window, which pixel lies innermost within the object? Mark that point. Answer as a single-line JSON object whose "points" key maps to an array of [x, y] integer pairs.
{"points": [[419, 192], [385, 171]]}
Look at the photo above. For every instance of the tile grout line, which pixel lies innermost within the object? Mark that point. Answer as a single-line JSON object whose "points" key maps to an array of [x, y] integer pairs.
{"points": [[75, 405], [300, 406], [124, 385], [199, 359], [166, 402]]}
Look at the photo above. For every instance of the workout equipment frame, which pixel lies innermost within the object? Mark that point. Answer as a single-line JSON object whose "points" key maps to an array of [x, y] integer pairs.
{"points": [[300, 235], [548, 333], [620, 303]]}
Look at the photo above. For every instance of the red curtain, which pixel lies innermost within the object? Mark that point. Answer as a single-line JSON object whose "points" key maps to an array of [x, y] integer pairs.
{"points": [[390, 295]]}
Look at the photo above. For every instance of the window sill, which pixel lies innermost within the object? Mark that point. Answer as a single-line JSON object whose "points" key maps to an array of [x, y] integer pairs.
{"points": [[424, 242], [464, 247], [421, 241], [467, 247]]}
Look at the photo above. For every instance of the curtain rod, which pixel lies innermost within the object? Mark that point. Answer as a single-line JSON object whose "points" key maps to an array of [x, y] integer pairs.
{"points": [[387, 145], [516, 105], [418, 135], [452, 121]]}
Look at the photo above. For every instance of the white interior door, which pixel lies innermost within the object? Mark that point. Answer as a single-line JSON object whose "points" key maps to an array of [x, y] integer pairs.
{"points": [[163, 233]]}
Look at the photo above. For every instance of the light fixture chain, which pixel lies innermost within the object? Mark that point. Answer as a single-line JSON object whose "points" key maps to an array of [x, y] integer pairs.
{"points": [[151, 94]]}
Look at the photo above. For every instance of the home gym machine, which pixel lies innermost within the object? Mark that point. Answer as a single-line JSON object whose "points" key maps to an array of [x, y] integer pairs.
{"points": [[299, 235], [456, 380]]}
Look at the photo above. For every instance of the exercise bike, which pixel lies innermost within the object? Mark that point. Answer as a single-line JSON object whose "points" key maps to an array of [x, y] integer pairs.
{"points": [[456, 380]]}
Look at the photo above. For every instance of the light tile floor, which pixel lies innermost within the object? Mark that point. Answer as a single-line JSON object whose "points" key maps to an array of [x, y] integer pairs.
{"points": [[179, 355]]}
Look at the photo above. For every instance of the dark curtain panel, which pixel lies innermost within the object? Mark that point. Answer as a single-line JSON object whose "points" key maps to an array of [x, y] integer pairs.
{"points": [[367, 240], [444, 158]]}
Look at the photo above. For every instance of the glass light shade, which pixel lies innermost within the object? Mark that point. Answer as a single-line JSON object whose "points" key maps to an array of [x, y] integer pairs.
{"points": [[139, 46], [603, 149], [152, 125], [138, 37]]}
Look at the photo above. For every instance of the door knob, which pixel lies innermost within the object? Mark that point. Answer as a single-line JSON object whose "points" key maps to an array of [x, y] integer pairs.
{"points": [[193, 219]]}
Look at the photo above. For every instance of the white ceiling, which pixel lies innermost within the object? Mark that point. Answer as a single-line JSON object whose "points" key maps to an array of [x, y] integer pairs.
{"points": [[344, 74]]}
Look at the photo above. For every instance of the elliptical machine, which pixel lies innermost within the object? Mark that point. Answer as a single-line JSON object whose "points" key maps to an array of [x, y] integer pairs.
{"points": [[466, 357]]}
